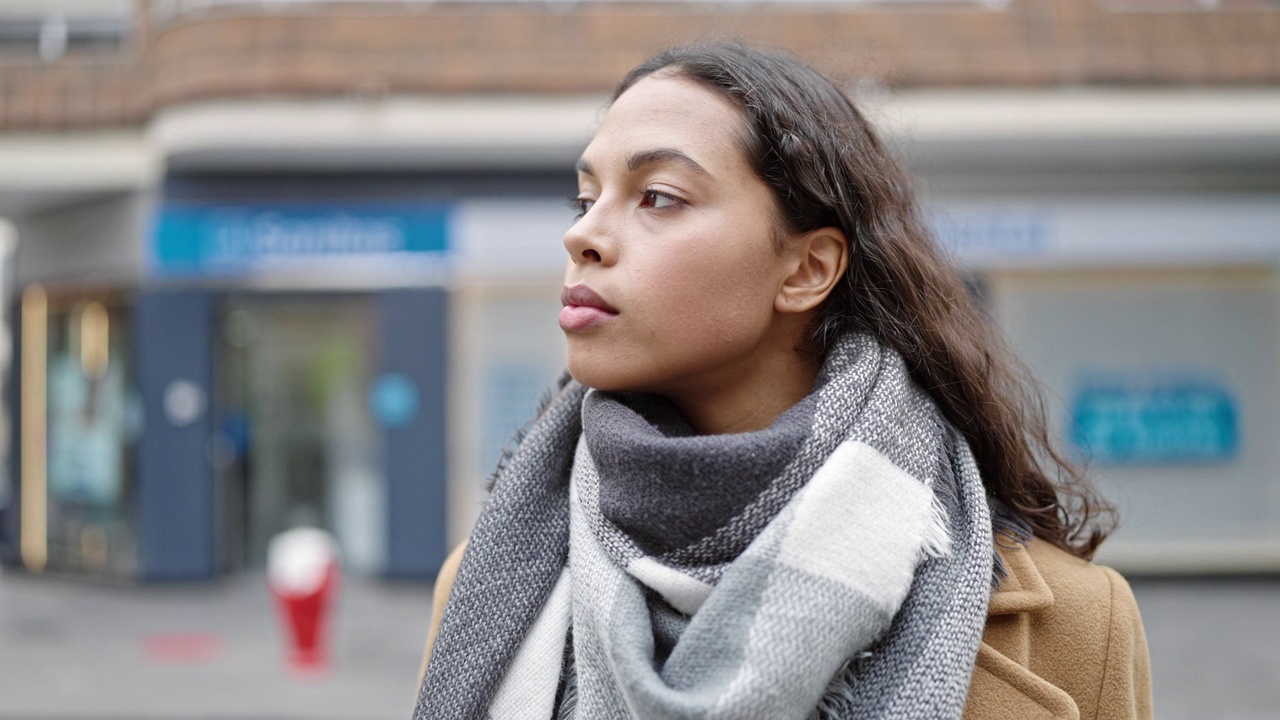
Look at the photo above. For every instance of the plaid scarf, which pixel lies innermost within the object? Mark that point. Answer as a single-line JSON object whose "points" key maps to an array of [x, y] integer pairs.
{"points": [[836, 564]]}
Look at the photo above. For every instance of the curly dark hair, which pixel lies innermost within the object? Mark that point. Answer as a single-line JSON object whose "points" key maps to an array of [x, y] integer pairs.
{"points": [[827, 168]]}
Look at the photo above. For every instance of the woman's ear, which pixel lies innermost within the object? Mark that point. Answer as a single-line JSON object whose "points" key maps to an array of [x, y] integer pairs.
{"points": [[821, 257]]}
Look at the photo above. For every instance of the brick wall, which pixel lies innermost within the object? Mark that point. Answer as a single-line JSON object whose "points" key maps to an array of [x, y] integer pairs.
{"points": [[74, 92], [455, 47]]}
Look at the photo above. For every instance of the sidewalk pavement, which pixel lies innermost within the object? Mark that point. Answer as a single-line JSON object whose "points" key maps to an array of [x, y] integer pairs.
{"points": [[71, 649], [76, 651]]}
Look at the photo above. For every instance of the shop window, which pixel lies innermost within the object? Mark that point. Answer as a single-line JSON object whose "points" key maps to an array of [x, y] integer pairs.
{"points": [[92, 419]]}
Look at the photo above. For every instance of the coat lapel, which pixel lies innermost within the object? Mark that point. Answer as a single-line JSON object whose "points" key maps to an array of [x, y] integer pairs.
{"points": [[1023, 589], [1002, 686]]}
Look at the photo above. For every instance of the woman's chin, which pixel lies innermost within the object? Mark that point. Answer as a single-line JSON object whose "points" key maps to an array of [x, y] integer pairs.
{"points": [[597, 380], [604, 376]]}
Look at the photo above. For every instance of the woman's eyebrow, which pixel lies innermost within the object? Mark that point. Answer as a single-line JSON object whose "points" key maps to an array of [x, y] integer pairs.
{"points": [[650, 157], [661, 155]]}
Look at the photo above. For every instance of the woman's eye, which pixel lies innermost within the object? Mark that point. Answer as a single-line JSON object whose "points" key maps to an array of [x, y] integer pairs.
{"points": [[658, 200], [581, 204]]}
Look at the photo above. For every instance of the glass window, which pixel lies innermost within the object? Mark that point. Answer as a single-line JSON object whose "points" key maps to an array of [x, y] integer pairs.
{"points": [[92, 421]]}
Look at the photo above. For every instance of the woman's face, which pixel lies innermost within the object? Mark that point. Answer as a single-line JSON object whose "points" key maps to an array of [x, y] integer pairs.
{"points": [[673, 269]]}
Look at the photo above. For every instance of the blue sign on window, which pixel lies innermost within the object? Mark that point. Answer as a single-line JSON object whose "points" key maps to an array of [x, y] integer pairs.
{"points": [[1155, 422], [222, 239], [994, 232]]}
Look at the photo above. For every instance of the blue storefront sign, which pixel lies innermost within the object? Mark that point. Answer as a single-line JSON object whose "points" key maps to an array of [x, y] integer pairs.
{"points": [[1155, 421], [211, 239], [994, 233]]}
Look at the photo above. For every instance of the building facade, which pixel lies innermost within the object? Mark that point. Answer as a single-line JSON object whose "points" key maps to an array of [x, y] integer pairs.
{"points": [[280, 263]]}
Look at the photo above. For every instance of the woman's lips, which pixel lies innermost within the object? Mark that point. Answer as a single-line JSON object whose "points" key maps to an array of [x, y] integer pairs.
{"points": [[581, 317], [583, 308]]}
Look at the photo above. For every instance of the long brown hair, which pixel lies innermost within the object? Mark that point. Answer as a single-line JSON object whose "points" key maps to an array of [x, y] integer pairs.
{"points": [[827, 168]]}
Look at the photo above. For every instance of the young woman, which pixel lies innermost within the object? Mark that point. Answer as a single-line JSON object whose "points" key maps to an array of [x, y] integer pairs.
{"points": [[793, 474]]}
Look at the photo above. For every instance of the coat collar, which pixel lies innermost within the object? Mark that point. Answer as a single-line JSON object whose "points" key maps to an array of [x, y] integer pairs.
{"points": [[1023, 589], [1002, 687]]}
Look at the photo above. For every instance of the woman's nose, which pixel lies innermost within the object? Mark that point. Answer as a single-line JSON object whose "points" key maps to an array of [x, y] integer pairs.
{"points": [[588, 241]]}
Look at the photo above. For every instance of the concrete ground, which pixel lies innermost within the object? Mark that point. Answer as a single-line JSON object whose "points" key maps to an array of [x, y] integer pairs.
{"points": [[70, 650], [73, 650]]}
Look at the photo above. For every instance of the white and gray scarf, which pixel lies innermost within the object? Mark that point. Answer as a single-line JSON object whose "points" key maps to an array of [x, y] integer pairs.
{"points": [[836, 564]]}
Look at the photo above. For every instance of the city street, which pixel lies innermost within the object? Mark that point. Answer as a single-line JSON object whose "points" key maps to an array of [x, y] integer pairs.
{"points": [[273, 265], [70, 650]]}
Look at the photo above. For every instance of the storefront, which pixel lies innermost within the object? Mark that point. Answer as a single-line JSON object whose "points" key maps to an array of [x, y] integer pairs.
{"points": [[283, 361], [1153, 324], [345, 328]]}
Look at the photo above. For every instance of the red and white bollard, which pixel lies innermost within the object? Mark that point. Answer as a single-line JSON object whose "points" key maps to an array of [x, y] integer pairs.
{"points": [[303, 571]]}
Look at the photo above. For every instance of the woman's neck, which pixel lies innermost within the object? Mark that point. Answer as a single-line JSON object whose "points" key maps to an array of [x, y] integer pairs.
{"points": [[753, 402]]}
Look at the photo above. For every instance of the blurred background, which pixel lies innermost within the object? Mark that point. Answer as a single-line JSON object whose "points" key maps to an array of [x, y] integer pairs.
{"points": [[279, 263]]}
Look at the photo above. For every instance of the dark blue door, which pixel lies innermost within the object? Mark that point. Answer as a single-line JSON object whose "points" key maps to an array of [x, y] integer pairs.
{"points": [[175, 496], [410, 404]]}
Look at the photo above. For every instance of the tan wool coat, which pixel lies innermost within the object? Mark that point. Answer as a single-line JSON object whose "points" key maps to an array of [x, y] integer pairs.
{"points": [[1063, 641]]}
